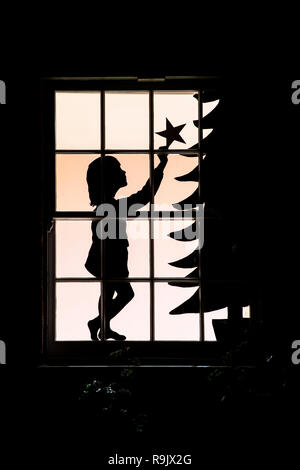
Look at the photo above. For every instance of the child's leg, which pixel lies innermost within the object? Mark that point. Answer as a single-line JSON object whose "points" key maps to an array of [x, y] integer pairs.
{"points": [[108, 296], [94, 325], [125, 294], [110, 289], [112, 307]]}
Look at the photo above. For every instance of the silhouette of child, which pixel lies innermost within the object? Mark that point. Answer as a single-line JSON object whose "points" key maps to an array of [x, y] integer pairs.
{"points": [[107, 171]]}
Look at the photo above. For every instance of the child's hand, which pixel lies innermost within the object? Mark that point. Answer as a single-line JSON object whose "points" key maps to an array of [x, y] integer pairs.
{"points": [[163, 156]]}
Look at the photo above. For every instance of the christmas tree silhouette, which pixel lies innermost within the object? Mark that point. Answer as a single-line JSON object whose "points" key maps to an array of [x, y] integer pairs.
{"points": [[219, 266], [212, 254]]}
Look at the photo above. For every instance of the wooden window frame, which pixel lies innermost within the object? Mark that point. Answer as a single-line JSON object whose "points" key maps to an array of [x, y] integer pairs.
{"points": [[103, 352]]}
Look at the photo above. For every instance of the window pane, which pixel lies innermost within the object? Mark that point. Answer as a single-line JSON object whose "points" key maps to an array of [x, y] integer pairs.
{"points": [[246, 311], [209, 107], [174, 327], [127, 120], [170, 250], [180, 109], [77, 120], [71, 186], [209, 334], [76, 304], [133, 321], [74, 247], [171, 190], [73, 242]]}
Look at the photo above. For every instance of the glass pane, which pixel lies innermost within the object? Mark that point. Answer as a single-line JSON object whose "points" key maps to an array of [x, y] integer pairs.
{"points": [[71, 185], [133, 321], [75, 248], [127, 120], [73, 242], [209, 334], [137, 175], [171, 190], [206, 132], [176, 110], [77, 120], [170, 250], [76, 304], [209, 107], [174, 327], [246, 311]]}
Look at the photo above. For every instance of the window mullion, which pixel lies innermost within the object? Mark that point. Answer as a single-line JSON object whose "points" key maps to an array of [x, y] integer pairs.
{"points": [[102, 290], [200, 157], [151, 223]]}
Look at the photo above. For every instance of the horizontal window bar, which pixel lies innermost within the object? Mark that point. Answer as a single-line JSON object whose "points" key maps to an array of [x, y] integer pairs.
{"points": [[89, 78], [154, 215], [146, 217], [83, 152], [127, 78], [130, 151], [128, 279], [202, 282]]}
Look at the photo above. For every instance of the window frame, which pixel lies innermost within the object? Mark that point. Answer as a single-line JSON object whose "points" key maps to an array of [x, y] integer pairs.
{"points": [[89, 352]]}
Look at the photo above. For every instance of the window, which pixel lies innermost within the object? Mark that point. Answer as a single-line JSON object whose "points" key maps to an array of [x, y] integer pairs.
{"points": [[152, 278]]}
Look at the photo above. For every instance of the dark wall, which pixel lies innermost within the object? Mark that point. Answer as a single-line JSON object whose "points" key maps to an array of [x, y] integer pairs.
{"points": [[262, 176]]}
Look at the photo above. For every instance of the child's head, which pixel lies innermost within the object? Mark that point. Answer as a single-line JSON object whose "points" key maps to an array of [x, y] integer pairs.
{"points": [[107, 171]]}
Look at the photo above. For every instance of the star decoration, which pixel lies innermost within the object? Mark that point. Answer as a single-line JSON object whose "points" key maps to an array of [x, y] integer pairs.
{"points": [[172, 133]]}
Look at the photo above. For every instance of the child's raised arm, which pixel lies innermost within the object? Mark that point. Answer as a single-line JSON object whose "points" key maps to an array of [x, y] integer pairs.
{"points": [[143, 196]]}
